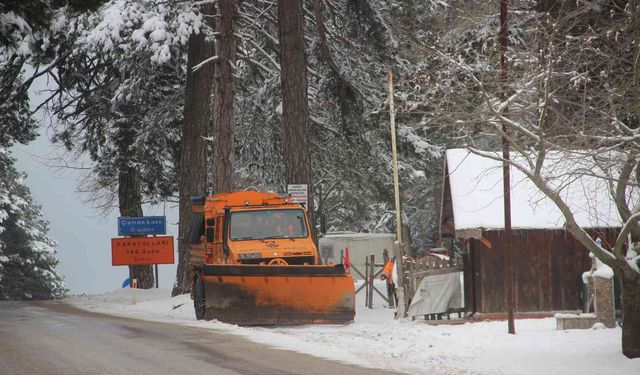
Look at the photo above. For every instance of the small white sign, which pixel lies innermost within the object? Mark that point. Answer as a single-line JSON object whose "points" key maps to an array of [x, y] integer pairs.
{"points": [[298, 193]]}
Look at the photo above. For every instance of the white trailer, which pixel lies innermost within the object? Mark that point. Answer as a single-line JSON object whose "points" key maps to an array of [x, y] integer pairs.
{"points": [[333, 246]]}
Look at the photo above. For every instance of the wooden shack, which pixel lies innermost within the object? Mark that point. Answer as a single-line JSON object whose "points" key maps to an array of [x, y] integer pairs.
{"points": [[548, 261]]}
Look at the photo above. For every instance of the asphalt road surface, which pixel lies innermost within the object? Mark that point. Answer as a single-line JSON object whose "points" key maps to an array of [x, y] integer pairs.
{"points": [[54, 338]]}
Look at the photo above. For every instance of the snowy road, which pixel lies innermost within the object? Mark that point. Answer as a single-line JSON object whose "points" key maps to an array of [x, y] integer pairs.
{"points": [[54, 338]]}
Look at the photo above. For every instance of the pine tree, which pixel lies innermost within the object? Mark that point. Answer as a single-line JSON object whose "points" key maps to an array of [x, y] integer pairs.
{"points": [[295, 102], [194, 129], [224, 99], [26, 37], [27, 253], [121, 100]]}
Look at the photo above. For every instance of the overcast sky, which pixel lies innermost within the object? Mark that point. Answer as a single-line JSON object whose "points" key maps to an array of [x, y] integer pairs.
{"points": [[84, 245]]}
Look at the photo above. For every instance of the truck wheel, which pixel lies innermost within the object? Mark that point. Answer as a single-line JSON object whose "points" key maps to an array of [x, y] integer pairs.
{"points": [[199, 299]]}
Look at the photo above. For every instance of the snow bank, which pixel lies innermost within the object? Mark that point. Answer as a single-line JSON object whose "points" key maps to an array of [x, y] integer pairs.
{"points": [[375, 340]]}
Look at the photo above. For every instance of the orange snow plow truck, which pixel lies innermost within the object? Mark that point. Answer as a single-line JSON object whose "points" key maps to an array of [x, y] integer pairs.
{"points": [[254, 263]]}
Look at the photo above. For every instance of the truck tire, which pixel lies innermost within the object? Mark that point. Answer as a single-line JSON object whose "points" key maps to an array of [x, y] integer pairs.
{"points": [[199, 299]]}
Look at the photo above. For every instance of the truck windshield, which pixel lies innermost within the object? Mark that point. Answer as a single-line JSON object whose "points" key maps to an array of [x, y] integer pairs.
{"points": [[264, 224]]}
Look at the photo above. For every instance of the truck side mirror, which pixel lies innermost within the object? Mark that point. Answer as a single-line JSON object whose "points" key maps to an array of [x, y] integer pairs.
{"points": [[210, 234]]}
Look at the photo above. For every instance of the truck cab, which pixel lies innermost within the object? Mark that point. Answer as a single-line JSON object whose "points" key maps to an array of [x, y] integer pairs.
{"points": [[252, 228]]}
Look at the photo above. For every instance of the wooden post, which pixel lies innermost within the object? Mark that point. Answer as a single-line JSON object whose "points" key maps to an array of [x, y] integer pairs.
{"points": [[157, 282], [413, 281], [394, 157], [509, 287], [398, 249], [366, 281], [372, 275]]}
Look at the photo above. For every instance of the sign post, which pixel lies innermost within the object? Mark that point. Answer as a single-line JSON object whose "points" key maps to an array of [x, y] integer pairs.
{"points": [[142, 251], [137, 248], [299, 193], [134, 286], [146, 225]]}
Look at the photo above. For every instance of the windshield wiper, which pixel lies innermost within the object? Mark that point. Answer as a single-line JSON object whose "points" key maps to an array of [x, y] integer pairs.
{"points": [[280, 236], [243, 238]]}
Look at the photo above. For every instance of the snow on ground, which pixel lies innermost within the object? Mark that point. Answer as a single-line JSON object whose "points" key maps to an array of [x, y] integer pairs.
{"points": [[376, 340]]}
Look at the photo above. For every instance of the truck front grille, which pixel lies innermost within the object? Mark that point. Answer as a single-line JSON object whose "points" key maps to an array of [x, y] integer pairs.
{"points": [[290, 260]]}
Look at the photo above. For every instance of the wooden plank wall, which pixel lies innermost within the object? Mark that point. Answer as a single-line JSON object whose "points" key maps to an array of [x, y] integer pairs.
{"points": [[549, 265]]}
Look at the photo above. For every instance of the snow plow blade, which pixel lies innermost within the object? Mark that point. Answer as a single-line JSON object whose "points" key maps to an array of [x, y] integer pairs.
{"points": [[278, 295]]}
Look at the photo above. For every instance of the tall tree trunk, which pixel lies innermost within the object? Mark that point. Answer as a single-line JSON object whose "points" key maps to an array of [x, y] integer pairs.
{"points": [[130, 204], [192, 158], [295, 107], [224, 99], [630, 282]]}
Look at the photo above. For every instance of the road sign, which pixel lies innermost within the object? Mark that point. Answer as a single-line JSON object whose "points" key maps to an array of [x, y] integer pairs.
{"points": [[128, 226], [136, 251], [298, 193]]}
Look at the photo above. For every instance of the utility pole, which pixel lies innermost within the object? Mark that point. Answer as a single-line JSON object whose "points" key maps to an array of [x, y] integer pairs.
{"points": [[509, 288], [398, 246]]}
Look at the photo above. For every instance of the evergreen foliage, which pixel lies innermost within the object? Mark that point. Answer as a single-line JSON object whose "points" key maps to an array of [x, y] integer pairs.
{"points": [[122, 70], [27, 33], [27, 253], [125, 63], [120, 99]]}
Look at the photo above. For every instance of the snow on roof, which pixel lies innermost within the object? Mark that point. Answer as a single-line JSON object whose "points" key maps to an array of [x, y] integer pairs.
{"points": [[477, 197]]}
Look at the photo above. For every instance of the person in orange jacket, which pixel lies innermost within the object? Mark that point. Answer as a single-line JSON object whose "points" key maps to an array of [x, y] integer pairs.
{"points": [[387, 274]]}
